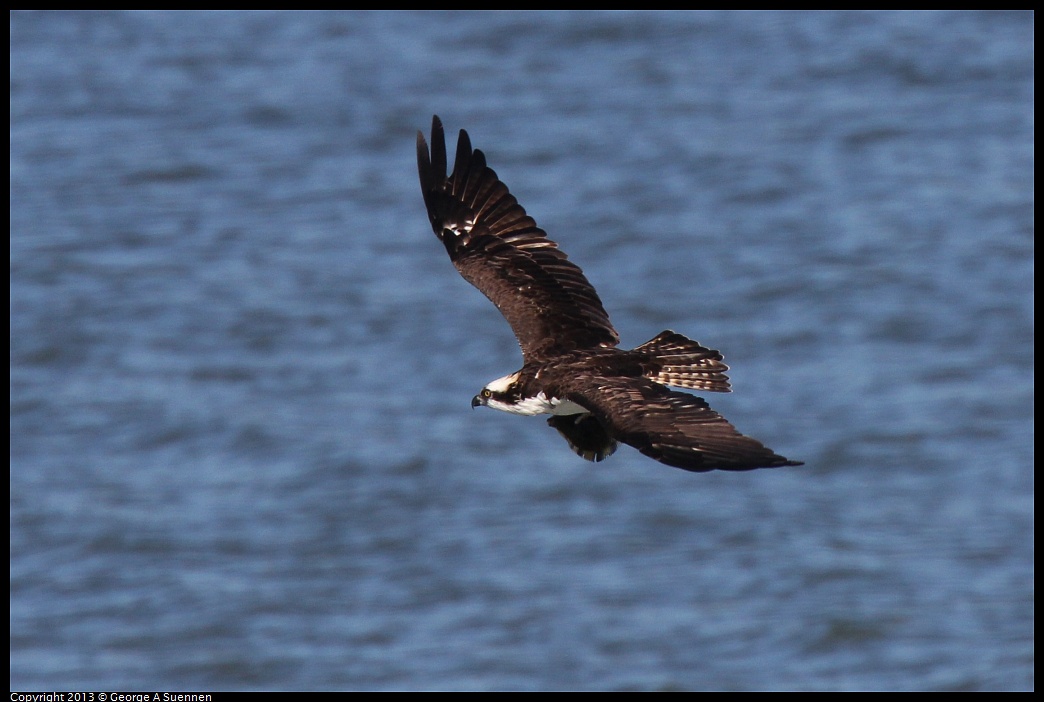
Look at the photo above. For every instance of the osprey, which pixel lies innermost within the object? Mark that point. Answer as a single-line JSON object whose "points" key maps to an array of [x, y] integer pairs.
{"points": [[597, 395]]}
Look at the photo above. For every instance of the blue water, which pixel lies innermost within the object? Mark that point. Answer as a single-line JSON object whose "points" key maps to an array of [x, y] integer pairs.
{"points": [[242, 452]]}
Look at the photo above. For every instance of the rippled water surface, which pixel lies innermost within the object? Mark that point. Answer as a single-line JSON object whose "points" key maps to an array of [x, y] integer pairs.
{"points": [[242, 452]]}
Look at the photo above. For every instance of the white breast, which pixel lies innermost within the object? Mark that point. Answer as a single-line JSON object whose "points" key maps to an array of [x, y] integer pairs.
{"points": [[540, 404]]}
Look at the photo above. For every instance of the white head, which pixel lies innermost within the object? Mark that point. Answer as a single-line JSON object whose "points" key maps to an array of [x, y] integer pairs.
{"points": [[502, 394]]}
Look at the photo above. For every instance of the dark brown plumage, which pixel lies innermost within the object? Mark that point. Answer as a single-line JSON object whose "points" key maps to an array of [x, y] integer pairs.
{"points": [[499, 249], [597, 394]]}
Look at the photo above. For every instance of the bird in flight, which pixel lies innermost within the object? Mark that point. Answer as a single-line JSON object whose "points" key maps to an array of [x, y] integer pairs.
{"points": [[596, 394]]}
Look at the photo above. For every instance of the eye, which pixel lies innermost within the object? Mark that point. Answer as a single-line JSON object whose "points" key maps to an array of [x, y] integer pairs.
{"points": [[487, 393]]}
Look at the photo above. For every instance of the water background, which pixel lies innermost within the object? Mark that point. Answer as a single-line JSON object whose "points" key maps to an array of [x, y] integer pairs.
{"points": [[242, 452]]}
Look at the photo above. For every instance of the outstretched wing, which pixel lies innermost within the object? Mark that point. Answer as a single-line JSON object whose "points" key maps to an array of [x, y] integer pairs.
{"points": [[500, 250], [673, 427]]}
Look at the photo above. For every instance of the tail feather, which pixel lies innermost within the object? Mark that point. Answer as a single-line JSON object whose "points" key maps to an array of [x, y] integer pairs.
{"points": [[672, 359]]}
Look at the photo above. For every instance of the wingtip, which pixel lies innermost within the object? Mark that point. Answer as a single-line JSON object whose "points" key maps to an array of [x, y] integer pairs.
{"points": [[424, 165], [464, 144]]}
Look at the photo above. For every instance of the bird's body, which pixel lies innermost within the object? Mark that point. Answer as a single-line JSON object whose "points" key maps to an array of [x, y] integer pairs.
{"points": [[597, 395]]}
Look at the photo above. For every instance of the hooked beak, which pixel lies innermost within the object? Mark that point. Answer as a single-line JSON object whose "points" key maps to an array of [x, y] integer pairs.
{"points": [[478, 401]]}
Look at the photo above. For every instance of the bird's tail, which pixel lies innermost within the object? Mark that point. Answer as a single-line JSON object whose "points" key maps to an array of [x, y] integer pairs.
{"points": [[672, 359]]}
